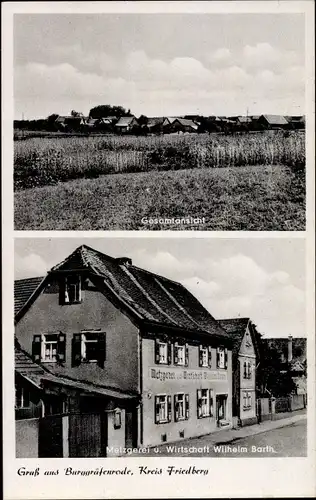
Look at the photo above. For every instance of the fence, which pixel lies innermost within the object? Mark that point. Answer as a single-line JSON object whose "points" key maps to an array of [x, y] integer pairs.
{"points": [[272, 408]]}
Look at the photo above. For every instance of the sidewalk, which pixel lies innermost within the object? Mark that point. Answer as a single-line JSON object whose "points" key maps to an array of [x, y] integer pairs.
{"points": [[231, 435]]}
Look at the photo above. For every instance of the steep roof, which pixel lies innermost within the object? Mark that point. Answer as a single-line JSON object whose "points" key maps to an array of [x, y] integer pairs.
{"points": [[23, 290], [147, 297], [152, 122], [235, 328], [275, 119], [124, 121], [187, 123]]}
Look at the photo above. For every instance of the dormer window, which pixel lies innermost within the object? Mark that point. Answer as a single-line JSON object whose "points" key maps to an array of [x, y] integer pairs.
{"points": [[70, 292]]}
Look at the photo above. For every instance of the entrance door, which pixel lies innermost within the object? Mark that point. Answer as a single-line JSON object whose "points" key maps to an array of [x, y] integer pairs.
{"points": [[131, 428], [221, 403]]}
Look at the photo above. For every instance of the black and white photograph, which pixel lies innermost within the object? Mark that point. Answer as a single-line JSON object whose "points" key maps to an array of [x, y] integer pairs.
{"points": [[159, 121], [148, 348]]}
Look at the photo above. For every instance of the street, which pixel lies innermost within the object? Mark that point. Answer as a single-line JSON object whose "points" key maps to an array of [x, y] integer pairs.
{"points": [[288, 441]]}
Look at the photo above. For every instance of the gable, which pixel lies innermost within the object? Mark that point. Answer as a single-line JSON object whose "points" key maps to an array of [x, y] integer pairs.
{"points": [[247, 347]]}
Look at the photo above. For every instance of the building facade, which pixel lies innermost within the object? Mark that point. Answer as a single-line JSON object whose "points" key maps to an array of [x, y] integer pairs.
{"points": [[111, 337]]}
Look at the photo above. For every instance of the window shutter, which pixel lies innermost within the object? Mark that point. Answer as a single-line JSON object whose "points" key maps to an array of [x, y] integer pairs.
{"points": [[175, 353], [187, 407], [169, 408], [156, 351], [169, 352], [199, 403], [37, 348], [101, 348], [61, 347], [209, 356], [211, 402], [175, 408], [226, 358], [156, 410], [76, 349], [186, 355], [217, 358], [200, 356]]}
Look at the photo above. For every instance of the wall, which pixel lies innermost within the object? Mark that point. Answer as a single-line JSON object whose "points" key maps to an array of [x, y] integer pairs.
{"points": [[116, 437], [95, 311], [193, 426], [247, 353], [26, 434]]}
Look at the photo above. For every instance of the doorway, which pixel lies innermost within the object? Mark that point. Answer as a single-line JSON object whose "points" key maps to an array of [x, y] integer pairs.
{"points": [[131, 428], [221, 407]]}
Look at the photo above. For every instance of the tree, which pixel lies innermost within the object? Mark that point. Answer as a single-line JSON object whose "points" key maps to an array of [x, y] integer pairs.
{"points": [[142, 120], [104, 110], [75, 113]]}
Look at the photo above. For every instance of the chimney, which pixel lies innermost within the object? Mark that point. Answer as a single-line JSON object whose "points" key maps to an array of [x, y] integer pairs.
{"points": [[124, 261], [290, 349]]}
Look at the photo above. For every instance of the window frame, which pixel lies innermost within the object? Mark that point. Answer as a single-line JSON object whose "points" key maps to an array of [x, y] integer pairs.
{"points": [[50, 343], [221, 355], [247, 371], [176, 348], [66, 295], [247, 400], [163, 344], [85, 341], [177, 401], [166, 419]]}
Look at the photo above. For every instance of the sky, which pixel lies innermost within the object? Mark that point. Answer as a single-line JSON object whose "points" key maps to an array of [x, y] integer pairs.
{"points": [[159, 64], [263, 279]]}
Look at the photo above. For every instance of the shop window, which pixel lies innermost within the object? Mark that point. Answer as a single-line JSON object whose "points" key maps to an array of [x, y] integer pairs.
{"points": [[162, 352], [222, 357], [70, 290], [88, 347], [205, 356], [204, 403], [22, 397], [162, 409], [49, 347], [181, 407], [181, 354]]}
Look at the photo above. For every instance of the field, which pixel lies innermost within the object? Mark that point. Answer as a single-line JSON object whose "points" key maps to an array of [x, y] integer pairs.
{"points": [[240, 182]]}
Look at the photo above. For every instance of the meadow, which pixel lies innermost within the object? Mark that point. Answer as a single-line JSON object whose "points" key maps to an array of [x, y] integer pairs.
{"points": [[248, 181]]}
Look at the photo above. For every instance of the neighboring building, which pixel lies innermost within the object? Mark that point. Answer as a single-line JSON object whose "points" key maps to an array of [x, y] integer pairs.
{"points": [[126, 124], [291, 359], [273, 121], [179, 125], [245, 359], [114, 337], [155, 125], [296, 122]]}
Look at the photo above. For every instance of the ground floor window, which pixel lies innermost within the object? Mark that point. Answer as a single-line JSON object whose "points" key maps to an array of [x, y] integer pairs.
{"points": [[204, 403], [181, 407], [162, 409], [247, 400]]}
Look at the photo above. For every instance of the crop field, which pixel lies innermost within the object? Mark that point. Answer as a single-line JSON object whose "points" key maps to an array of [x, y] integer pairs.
{"points": [[249, 181]]}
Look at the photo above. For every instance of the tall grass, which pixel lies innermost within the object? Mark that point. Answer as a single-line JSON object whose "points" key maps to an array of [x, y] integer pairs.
{"points": [[46, 161]]}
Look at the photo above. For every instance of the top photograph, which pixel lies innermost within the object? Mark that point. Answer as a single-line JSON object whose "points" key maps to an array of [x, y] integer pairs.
{"points": [[165, 121]]}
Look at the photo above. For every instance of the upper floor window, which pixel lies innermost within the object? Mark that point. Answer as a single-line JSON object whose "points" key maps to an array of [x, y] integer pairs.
{"points": [[205, 356], [181, 354], [247, 369], [162, 352], [88, 347], [49, 347], [70, 290], [22, 397], [222, 357]]}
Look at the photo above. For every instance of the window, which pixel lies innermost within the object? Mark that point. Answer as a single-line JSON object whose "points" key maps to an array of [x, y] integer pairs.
{"points": [[222, 357], [204, 403], [88, 347], [181, 407], [205, 356], [49, 347], [162, 352], [247, 370], [247, 400], [162, 409], [70, 291], [181, 354], [22, 397]]}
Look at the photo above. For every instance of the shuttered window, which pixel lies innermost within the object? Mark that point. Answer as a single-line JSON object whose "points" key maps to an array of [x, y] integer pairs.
{"points": [[70, 289], [221, 357], [49, 347], [204, 403], [89, 347], [163, 412], [181, 407]]}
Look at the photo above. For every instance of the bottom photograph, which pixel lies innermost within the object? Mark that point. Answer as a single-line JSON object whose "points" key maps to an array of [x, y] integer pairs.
{"points": [[146, 346]]}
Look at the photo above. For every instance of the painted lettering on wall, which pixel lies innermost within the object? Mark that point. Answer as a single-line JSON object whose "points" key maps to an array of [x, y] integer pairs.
{"points": [[163, 374]]}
